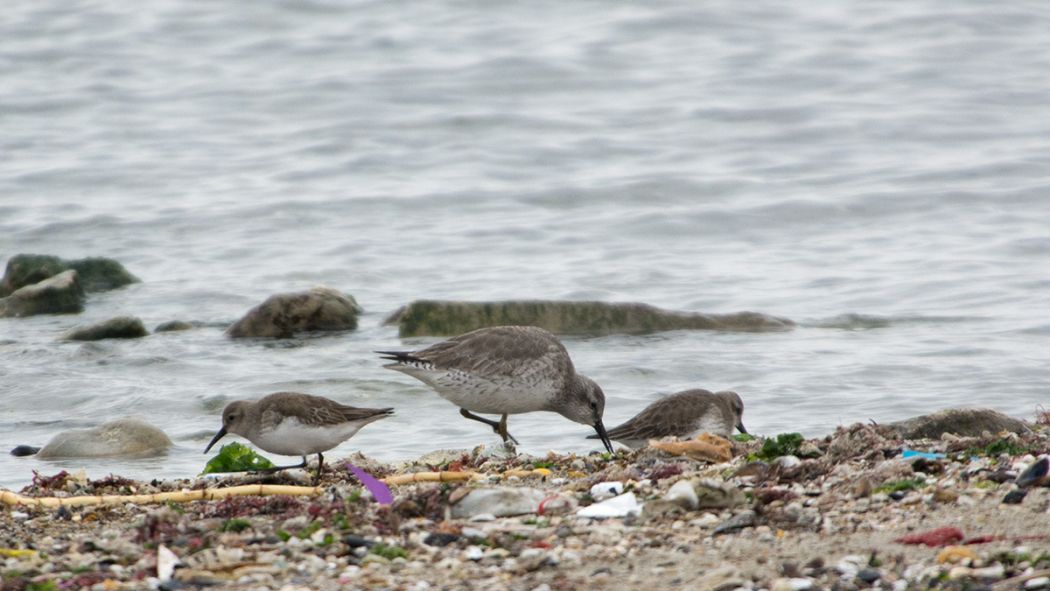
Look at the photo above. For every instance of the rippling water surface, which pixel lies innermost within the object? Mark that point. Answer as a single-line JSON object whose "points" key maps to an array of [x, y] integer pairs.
{"points": [[877, 171]]}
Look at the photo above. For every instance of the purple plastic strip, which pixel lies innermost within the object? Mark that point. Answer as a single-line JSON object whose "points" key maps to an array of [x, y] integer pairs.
{"points": [[379, 490]]}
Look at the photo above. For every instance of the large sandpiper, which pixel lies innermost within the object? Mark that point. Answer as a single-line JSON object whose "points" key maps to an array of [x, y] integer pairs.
{"points": [[683, 414], [504, 370], [294, 424]]}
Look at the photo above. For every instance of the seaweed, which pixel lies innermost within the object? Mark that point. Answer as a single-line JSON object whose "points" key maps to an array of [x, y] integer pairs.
{"points": [[785, 444], [237, 457]]}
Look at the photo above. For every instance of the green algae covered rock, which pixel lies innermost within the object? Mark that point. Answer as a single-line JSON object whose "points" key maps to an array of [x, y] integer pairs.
{"points": [[122, 327], [58, 294], [95, 273], [447, 318]]}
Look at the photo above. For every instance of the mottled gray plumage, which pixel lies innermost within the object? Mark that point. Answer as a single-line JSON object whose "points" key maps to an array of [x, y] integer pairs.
{"points": [[294, 424], [505, 370], [683, 414]]}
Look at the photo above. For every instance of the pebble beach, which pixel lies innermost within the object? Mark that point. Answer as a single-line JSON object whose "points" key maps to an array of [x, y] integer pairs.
{"points": [[857, 509]]}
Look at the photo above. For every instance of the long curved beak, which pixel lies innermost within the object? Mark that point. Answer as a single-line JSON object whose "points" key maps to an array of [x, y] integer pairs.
{"points": [[600, 428], [217, 437], [740, 427]]}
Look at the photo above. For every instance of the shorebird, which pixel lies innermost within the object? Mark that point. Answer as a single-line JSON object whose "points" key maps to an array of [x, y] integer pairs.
{"points": [[294, 424], [506, 370], [683, 414]]}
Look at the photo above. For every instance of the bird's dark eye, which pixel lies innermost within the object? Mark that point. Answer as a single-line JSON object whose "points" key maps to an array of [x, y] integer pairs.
{"points": [[594, 405]]}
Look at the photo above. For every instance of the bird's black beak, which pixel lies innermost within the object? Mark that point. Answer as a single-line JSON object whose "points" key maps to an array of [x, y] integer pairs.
{"points": [[600, 428], [217, 437], [740, 427]]}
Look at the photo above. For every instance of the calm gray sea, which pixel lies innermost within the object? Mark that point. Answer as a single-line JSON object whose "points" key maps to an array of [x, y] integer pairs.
{"points": [[877, 171]]}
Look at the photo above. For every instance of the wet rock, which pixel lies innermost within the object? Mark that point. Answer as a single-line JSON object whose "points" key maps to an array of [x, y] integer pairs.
{"points": [[96, 273], [1015, 497], [440, 539], [173, 325], [24, 450], [59, 294], [869, 575], [964, 422], [120, 438], [284, 315], [742, 520], [498, 502], [1034, 475], [122, 327], [447, 318]]}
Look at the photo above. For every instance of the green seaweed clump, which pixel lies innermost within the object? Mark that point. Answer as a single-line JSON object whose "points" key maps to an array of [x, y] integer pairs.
{"points": [[237, 457], [388, 552], [901, 485], [785, 444], [1003, 445]]}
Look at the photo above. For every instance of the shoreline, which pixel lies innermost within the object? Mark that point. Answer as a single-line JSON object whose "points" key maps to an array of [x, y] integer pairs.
{"points": [[830, 515]]}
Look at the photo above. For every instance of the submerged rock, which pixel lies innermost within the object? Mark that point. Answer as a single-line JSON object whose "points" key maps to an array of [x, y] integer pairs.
{"points": [[964, 422], [122, 327], [172, 326], [60, 294], [96, 273], [120, 438], [446, 318], [283, 315]]}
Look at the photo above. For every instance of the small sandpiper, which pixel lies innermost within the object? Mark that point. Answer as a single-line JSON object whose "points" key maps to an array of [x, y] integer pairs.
{"points": [[294, 424], [683, 414], [506, 370]]}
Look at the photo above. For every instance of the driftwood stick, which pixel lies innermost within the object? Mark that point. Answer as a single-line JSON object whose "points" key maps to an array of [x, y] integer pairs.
{"points": [[182, 496]]}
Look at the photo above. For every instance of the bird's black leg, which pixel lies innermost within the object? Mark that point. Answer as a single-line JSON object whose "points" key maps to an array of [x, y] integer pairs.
{"points": [[320, 467], [502, 430], [500, 426]]}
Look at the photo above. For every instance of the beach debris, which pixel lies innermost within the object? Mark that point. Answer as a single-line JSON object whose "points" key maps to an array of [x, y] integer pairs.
{"points": [[956, 555], [237, 457], [10, 498], [619, 506], [606, 490], [379, 491], [683, 494], [166, 563], [413, 477], [941, 536], [498, 501], [926, 455], [705, 448], [784, 444]]}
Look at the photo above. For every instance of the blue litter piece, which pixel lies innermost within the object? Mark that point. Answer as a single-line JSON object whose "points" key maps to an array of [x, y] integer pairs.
{"points": [[911, 453]]}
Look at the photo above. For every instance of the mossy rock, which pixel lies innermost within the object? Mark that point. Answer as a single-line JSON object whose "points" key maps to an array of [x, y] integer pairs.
{"points": [[95, 273], [284, 315], [122, 327], [59, 294], [963, 422], [447, 318]]}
